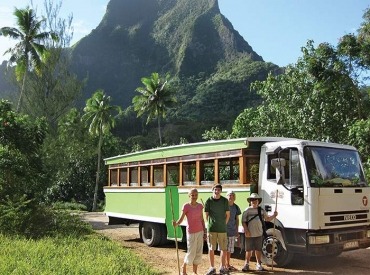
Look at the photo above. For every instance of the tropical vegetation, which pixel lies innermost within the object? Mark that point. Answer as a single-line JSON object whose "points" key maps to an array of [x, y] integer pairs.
{"points": [[51, 152], [29, 52], [99, 116], [154, 99]]}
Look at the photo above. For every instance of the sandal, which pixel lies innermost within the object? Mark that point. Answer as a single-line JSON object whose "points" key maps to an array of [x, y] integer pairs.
{"points": [[231, 268]]}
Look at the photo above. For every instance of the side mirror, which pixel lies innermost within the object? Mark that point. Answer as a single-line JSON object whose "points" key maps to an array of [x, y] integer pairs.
{"points": [[279, 164]]}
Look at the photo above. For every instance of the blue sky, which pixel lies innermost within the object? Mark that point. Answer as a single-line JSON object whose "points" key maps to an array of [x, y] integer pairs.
{"points": [[276, 29]]}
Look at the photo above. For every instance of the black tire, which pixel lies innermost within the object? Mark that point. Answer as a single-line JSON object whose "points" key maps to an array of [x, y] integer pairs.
{"points": [[151, 233], [281, 256]]}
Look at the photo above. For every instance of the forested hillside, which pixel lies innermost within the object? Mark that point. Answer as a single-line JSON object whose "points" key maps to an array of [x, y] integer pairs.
{"points": [[190, 39]]}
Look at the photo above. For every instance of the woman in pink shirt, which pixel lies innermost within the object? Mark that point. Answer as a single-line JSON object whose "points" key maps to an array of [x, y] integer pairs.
{"points": [[195, 231]]}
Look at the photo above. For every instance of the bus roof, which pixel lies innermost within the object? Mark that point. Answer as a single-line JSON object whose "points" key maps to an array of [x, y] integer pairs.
{"points": [[192, 148]]}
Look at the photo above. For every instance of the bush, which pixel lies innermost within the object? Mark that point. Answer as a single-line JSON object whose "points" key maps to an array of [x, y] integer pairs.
{"points": [[31, 220]]}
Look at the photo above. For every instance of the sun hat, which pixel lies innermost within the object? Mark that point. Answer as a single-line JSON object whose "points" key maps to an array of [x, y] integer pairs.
{"points": [[254, 196], [230, 193]]}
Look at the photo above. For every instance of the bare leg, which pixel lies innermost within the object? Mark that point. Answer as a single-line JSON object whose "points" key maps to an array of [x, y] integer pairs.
{"points": [[248, 255], [183, 268], [223, 257], [211, 255], [258, 256], [195, 268], [228, 256]]}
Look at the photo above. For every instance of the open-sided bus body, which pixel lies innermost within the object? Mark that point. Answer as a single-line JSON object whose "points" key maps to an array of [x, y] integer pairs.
{"points": [[318, 188]]}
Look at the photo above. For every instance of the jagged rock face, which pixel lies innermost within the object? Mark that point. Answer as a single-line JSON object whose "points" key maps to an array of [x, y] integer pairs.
{"points": [[138, 37]]}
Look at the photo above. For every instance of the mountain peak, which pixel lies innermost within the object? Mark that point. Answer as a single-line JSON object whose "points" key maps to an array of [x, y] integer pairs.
{"points": [[138, 37]]}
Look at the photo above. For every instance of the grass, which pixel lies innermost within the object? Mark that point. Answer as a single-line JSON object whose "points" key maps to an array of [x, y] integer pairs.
{"points": [[68, 254]]}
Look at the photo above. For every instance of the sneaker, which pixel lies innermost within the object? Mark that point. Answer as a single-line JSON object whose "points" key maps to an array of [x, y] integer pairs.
{"points": [[259, 267], [245, 268], [211, 271], [224, 271]]}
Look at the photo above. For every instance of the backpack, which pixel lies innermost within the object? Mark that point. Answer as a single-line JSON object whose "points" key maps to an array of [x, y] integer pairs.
{"points": [[263, 222]]}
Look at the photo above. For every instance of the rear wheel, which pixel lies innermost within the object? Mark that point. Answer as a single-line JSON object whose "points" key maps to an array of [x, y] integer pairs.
{"points": [[272, 247], [152, 234]]}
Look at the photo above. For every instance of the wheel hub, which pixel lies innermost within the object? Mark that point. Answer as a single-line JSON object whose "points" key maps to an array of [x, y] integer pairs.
{"points": [[270, 247]]}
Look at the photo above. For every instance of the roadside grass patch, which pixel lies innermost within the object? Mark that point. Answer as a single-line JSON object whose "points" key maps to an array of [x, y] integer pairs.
{"points": [[89, 254], [59, 242]]}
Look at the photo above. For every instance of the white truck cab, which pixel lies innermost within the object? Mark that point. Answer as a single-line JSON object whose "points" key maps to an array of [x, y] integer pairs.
{"points": [[321, 196]]}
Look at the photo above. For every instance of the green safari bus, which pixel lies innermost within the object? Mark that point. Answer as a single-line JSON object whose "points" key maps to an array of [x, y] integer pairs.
{"points": [[149, 187]]}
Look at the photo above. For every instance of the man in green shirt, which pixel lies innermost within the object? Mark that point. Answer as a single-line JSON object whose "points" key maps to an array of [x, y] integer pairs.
{"points": [[217, 216]]}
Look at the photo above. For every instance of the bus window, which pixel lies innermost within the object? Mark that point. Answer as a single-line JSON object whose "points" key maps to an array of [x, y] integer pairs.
{"points": [[207, 172], [145, 175], [123, 177], [189, 173], [229, 171], [158, 175], [113, 177], [173, 174], [134, 176]]}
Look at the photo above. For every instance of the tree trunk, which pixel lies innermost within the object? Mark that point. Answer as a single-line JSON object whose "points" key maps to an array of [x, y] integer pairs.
{"points": [[22, 90], [98, 171], [159, 130]]}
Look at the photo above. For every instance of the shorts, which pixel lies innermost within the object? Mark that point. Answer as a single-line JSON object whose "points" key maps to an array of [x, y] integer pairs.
{"points": [[215, 238], [230, 245], [253, 243]]}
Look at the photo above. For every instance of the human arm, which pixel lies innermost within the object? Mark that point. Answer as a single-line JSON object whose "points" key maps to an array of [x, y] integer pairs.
{"points": [[227, 216], [206, 214], [237, 224], [204, 228], [247, 233], [179, 221], [270, 218]]}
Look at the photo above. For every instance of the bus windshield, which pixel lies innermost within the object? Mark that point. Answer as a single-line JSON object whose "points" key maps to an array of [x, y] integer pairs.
{"points": [[333, 167]]}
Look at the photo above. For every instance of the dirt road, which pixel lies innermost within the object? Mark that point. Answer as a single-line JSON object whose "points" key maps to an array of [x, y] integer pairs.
{"points": [[164, 258]]}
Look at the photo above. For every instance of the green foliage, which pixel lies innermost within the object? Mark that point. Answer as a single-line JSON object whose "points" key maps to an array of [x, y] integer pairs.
{"points": [[20, 143], [215, 134], [29, 52], [219, 99], [154, 99], [80, 254], [98, 114], [30, 219], [69, 206], [359, 136], [314, 99], [70, 158]]}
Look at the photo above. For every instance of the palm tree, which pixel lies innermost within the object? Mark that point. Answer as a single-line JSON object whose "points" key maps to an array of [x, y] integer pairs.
{"points": [[155, 98], [98, 114], [28, 53]]}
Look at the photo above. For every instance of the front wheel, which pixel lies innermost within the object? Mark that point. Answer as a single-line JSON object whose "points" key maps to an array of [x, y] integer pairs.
{"points": [[272, 247]]}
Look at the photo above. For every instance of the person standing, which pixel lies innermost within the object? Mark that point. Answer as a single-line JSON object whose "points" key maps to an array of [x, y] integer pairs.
{"points": [[195, 231], [232, 228], [253, 230], [217, 214]]}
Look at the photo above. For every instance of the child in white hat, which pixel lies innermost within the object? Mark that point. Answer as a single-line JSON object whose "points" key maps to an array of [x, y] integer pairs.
{"points": [[253, 230]]}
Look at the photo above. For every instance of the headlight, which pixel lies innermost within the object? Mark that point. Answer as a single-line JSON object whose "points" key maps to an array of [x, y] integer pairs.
{"points": [[368, 233], [318, 239]]}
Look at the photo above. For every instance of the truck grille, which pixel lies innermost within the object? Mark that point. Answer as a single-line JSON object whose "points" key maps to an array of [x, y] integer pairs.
{"points": [[347, 217]]}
